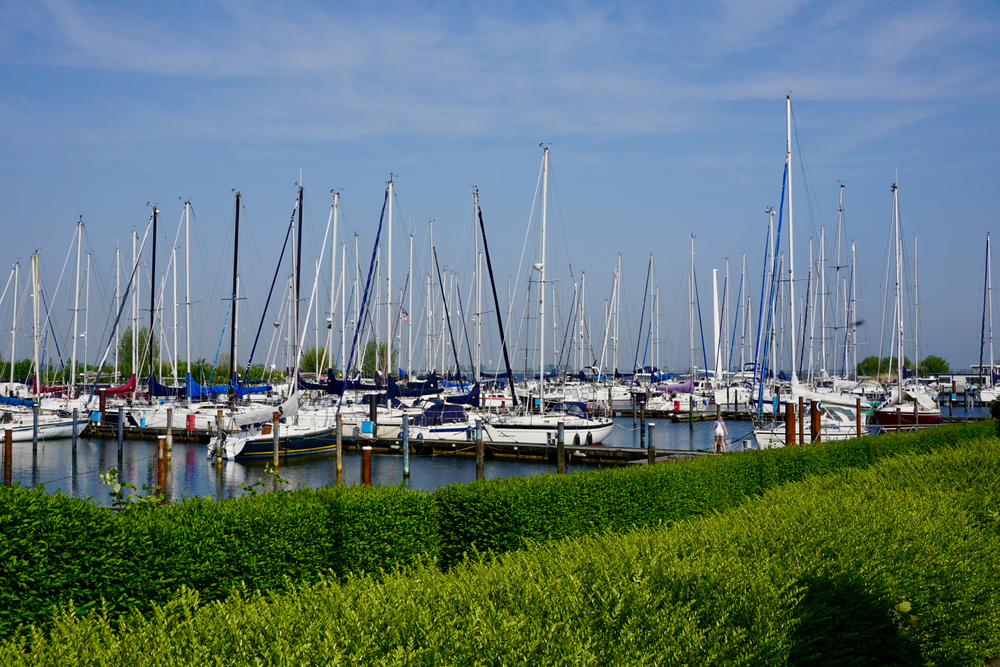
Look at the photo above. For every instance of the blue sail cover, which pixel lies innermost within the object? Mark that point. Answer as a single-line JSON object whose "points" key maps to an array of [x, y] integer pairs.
{"points": [[314, 386], [426, 387], [11, 400], [157, 389], [259, 389], [472, 398]]}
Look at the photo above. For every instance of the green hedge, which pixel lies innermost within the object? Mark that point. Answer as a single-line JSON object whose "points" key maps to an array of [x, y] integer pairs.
{"points": [[820, 572], [502, 515], [57, 548]]}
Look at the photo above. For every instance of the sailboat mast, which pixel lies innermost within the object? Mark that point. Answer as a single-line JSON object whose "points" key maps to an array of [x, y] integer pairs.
{"points": [[152, 290], [232, 329], [333, 279], [86, 320], [34, 326], [691, 307], [173, 319], [541, 269], [479, 293], [13, 327], [409, 322], [916, 312], [899, 286], [388, 286], [76, 309], [989, 290], [298, 281], [118, 305], [187, 283], [135, 307], [822, 300], [343, 307], [791, 227]]}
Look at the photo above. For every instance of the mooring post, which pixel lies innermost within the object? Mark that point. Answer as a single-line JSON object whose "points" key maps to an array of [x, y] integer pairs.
{"points": [[366, 464], [170, 431], [691, 411], [275, 416], [651, 444], [34, 428], [76, 417], [480, 451], [610, 411], [642, 425], [219, 439], [340, 448], [951, 399], [789, 423], [161, 465], [802, 425], [916, 411], [8, 448], [899, 419], [857, 418], [633, 409], [373, 414], [102, 403], [560, 449], [121, 436], [815, 422], [406, 447]]}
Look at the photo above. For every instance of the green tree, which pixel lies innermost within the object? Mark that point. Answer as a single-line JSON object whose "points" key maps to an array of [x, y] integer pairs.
{"points": [[934, 365], [374, 359], [312, 358], [125, 352], [870, 366]]}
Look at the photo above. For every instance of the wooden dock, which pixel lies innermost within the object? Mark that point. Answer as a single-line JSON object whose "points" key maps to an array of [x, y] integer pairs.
{"points": [[110, 432], [579, 454]]}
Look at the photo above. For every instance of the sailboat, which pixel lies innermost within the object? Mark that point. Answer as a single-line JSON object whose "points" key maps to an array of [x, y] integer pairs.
{"points": [[908, 405], [989, 388], [541, 427]]}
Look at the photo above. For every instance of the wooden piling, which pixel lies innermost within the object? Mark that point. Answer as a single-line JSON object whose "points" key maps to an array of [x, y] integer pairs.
{"points": [[340, 448], [857, 418], [366, 465], [951, 399], [76, 418], [8, 464], [102, 402], [916, 411], [789, 423], [802, 423], [691, 411], [561, 449], [170, 431], [121, 436], [815, 422], [277, 441], [34, 429], [161, 465], [651, 444], [218, 430], [480, 452], [406, 447]]}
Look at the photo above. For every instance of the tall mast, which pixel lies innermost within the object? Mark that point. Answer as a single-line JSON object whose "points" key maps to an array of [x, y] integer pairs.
{"points": [[118, 305], [409, 322], [152, 291], [34, 326], [822, 300], [187, 283], [76, 309], [899, 286], [541, 268], [791, 237], [298, 282], [916, 313], [173, 317], [989, 290], [13, 327], [388, 287], [691, 306], [86, 320], [343, 307], [135, 306], [333, 276], [232, 328], [479, 290]]}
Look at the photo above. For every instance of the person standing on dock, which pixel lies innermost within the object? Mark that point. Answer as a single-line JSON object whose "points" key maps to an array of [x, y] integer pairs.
{"points": [[721, 431]]}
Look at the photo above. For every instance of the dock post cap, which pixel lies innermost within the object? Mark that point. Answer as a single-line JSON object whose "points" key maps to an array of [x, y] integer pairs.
{"points": [[368, 447]]}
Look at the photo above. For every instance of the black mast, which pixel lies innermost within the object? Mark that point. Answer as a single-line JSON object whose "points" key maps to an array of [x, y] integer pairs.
{"points": [[152, 293], [298, 273], [496, 305], [232, 329]]}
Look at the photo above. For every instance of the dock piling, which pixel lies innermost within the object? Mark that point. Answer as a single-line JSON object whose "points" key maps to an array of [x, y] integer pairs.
{"points": [[8, 444], [789, 423], [560, 449], [76, 417], [857, 418], [121, 436], [802, 425], [102, 402], [815, 422], [651, 458], [406, 447], [366, 465], [277, 442], [480, 452], [161, 465], [34, 429], [170, 431], [340, 448]]}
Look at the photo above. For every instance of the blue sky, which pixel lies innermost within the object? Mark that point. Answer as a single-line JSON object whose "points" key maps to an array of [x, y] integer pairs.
{"points": [[665, 119]]}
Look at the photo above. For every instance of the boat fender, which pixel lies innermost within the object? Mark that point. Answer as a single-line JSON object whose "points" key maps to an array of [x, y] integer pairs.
{"points": [[590, 438], [420, 436], [576, 440]]}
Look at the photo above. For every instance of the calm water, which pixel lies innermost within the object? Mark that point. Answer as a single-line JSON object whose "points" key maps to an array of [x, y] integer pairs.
{"points": [[192, 473]]}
